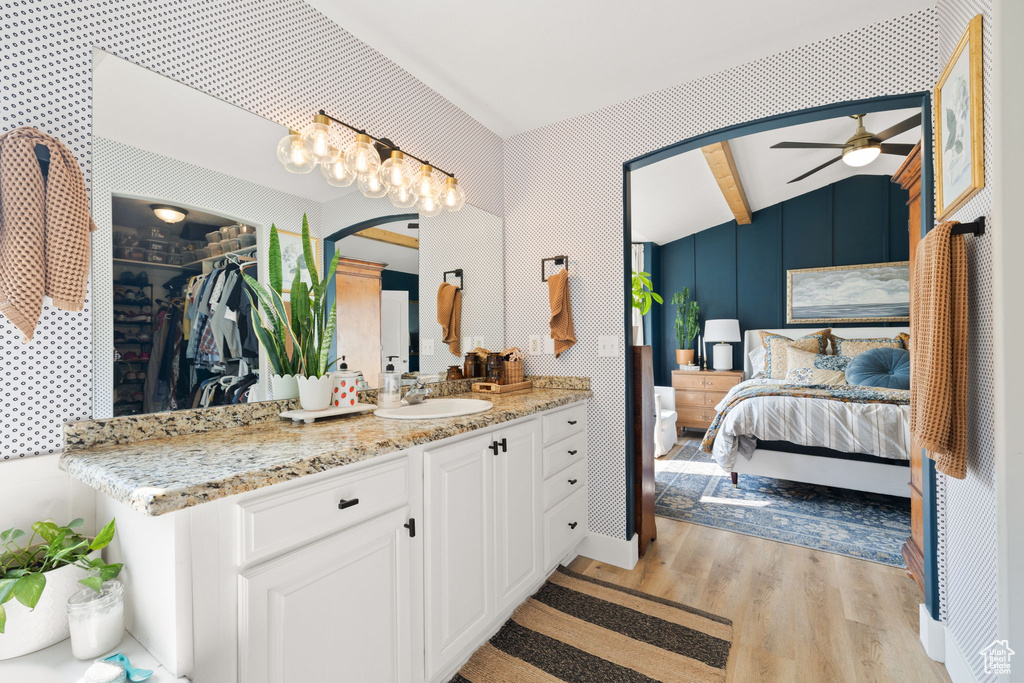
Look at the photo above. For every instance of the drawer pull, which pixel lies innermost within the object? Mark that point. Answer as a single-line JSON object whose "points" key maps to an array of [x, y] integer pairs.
{"points": [[342, 504], [573, 452], [572, 482], [504, 445], [572, 525], [572, 422], [494, 447]]}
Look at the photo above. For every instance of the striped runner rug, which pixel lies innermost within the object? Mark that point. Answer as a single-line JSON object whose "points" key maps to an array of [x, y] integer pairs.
{"points": [[580, 629]]}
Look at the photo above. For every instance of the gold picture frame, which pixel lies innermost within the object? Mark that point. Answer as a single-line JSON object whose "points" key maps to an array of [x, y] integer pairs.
{"points": [[817, 280], [959, 142], [291, 249]]}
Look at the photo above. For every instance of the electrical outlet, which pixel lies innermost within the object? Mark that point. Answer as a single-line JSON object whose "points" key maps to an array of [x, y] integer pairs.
{"points": [[536, 346], [427, 347], [608, 346], [478, 343]]}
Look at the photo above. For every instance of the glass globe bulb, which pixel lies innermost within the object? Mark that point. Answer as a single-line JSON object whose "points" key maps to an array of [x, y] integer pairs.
{"points": [[428, 205], [426, 185], [371, 186], [316, 139], [292, 154], [361, 157], [401, 197], [452, 196], [395, 171], [336, 173]]}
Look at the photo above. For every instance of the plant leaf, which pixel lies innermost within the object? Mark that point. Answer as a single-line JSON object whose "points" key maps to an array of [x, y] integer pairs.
{"points": [[47, 530], [104, 537], [93, 582], [274, 254], [307, 252], [328, 340], [3, 619], [6, 589], [76, 522], [110, 571], [29, 588], [15, 534]]}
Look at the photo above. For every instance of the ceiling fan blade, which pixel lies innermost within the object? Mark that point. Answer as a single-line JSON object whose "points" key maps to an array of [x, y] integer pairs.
{"points": [[897, 148], [808, 145], [815, 170], [901, 127]]}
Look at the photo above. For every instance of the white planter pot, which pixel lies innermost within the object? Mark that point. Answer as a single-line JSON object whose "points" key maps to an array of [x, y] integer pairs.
{"points": [[315, 392], [28, 631], [284, 386]]}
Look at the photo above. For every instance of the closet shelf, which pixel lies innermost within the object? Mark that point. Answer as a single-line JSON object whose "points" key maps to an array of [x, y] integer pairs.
{"points": [[150, 264], [236, 252]]}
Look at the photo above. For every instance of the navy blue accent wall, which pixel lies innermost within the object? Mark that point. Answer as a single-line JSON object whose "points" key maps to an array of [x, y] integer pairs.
{"points": [[410, 282], [739, 271]]}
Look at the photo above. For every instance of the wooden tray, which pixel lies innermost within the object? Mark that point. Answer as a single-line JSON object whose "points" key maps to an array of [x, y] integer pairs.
{"points": [[491, 388]]}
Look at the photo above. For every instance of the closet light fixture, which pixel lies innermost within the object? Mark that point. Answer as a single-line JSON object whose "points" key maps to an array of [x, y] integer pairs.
{"points": [[169, 214], [360, 161]]}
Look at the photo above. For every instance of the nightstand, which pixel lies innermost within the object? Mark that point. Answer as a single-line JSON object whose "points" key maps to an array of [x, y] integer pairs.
{"points": [[698, 392]]}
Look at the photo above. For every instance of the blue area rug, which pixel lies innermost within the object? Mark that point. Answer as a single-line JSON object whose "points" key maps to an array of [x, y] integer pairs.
{"points": [[691, 487]]}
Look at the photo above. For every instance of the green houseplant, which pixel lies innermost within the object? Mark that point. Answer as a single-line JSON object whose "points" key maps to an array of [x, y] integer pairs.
{"points": [[38, 573], [644, 297], [687, 325], [306, 323]]}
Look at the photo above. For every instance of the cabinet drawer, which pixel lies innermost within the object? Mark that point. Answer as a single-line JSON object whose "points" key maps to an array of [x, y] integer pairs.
{"points": [[565, 422], [270, 525], [695, 416], [560, 485], [721, 383], [565, 525], [558, 455], [688, 380], [689, 397], [712, 399]]}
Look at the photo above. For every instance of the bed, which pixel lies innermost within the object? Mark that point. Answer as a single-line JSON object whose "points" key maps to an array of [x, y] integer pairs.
{"points": [[849, 437]]}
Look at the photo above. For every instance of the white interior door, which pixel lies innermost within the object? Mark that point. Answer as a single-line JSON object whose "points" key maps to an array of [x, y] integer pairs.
{"points": [[394, 324]]}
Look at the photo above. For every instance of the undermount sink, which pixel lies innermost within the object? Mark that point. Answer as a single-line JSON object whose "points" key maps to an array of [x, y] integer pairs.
{"points": [[433, 409]]}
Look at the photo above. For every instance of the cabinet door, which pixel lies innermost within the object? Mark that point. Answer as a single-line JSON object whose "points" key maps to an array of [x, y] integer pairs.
{"points": [[338, 609], [517, 487], [457, 542]]}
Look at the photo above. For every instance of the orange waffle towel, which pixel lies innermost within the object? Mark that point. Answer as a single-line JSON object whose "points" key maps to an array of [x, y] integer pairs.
{"points": [[44, 229], [449, 315], [562, 330], [938, 323]]}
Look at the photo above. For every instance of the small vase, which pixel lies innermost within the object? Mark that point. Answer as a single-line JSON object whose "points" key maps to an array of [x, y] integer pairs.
{"points": [[684, 356], [284, 387], [315, 392]]}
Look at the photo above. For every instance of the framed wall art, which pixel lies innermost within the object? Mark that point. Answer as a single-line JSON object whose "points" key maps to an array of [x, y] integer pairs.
{"points": [[873, 292]]}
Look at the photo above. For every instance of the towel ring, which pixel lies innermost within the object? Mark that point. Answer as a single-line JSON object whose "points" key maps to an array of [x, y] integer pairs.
{"points": [[558, 261], [457, 273]]}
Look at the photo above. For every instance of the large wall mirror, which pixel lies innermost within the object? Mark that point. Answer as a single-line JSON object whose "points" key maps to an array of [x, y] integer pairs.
{"points": [[185, 188]]}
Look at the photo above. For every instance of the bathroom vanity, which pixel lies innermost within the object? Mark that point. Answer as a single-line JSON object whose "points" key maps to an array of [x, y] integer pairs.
{"points": [[362, 549]]}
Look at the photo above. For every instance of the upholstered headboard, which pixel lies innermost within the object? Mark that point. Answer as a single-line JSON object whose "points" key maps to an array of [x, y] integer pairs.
{"points": [[752, 338]]}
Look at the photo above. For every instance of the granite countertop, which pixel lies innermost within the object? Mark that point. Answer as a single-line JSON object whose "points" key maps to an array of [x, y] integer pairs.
{"points": [[158, 476]]}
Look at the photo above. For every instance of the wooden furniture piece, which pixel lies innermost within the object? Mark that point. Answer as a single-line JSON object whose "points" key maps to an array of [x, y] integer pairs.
{"points": [[909, 178], [698, 392], [644, 410], [357, 287]]}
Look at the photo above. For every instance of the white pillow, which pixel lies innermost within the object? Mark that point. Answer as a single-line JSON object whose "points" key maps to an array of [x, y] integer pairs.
{"points": [[757, 362]]}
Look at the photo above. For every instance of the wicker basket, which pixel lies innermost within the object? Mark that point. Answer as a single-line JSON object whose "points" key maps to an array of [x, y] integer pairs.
{"points": [[513, 372]]}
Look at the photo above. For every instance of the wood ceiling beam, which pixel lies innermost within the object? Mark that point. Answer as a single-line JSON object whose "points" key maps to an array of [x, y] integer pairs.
{"points": [[389, 237], [723, 167]]}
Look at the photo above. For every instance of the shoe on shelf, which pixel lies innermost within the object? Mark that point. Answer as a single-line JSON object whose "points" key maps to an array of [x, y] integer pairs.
{"points": [[130, 356], [137, 396], [142, 279], [144, 357], [133, 339], [127, 278], [139, 318], [118, 336], [144, 339], [140, 375], [120, 317]]}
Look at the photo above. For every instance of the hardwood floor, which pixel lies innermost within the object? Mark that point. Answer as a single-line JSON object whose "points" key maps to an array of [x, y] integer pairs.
{"points": [[798, 614]]}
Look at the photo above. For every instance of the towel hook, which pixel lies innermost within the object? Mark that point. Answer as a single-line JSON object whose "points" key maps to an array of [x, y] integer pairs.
{"points": [[562, 260], [457, 273], [975, 228]]}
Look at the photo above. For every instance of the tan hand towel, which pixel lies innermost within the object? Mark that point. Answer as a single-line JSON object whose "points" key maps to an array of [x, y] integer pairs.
{"points": [[449, 315], [938, 373], [44, 229], [562, 330]]}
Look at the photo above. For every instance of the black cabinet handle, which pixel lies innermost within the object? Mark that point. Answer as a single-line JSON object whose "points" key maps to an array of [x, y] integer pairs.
{"points": [[494, 447], [504, 445], [573, 452], [572, 422], [411, 526], [342, 504], [572, 525], [572, 482]]}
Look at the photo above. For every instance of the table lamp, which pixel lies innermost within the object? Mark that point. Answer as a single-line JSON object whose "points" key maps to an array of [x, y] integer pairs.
{"points": [[722, 331]]}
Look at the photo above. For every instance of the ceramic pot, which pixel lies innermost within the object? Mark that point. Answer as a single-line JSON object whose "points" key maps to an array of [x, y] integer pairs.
{"points": [[284, 386], [684, 356], [315, 392], [28, 631]]}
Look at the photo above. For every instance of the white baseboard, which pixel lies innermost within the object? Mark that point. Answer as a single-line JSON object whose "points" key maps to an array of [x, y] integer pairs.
{"points": [[956, 664], [933, 635], [615, 551]]}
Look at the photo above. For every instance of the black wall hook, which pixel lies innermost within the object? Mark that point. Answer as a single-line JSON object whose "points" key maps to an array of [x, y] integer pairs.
{"points": [[562, 260], [457, 273], [977, 227]]}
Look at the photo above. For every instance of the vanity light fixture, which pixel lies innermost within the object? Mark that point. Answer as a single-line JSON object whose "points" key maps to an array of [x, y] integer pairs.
{"points": [[360, 161], [169, 214]]}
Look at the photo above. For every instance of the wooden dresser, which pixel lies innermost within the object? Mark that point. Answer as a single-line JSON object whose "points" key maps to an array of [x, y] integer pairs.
{"points": [[698, 392], [909, 178]]}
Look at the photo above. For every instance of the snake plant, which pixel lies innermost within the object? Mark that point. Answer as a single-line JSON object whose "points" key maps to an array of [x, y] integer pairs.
{"points": [[686, 318]]}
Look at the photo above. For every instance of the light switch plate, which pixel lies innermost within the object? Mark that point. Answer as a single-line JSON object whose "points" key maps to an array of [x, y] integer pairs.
{"points": [[608, 346], [427, 347], [549, 345]]}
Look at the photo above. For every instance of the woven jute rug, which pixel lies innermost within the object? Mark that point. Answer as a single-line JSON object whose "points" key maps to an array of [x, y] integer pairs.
{"points": [[576, 628]]}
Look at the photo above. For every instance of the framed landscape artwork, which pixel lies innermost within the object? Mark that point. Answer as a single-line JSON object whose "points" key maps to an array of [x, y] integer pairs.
{"points": [[959, 152], [871, 293]]}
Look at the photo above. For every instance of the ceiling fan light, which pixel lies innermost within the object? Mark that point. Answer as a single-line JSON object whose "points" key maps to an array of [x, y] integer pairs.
{"points": [[861, 156], [169, 214]]}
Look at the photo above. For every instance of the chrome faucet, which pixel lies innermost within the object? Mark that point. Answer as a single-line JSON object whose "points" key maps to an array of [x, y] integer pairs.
{"points": [[419, 391]]}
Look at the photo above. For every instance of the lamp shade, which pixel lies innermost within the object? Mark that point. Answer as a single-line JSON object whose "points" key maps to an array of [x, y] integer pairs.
{"points": [[722, 330]]}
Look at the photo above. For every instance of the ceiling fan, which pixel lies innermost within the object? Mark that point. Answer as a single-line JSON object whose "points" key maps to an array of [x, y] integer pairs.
{"points": [[862, 148]]}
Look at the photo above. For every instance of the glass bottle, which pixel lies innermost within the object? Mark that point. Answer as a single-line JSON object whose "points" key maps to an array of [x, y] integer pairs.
{"points": [[495, 368]]}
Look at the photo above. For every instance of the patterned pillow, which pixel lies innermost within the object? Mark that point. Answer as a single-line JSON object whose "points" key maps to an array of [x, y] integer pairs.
{"points": [[775, 346], [853, 347], [905, 338], [805, 367]]}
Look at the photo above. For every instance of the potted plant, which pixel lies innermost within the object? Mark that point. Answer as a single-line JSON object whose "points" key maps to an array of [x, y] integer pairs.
{"points": [[687, 325], [38, 576], [643, 297], [308, 327]]}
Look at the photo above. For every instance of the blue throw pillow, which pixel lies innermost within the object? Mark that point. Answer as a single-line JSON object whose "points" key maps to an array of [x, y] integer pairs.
{"points": [[884, 367]]}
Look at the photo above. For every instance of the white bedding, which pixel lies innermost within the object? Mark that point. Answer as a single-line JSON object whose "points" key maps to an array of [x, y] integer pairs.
{"points": [[878, 429]]}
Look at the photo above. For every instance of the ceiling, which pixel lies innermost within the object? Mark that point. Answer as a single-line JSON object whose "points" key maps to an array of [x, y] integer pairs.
{"points": [[679, 196], [134, 213], [515, 66], [402, 259]]}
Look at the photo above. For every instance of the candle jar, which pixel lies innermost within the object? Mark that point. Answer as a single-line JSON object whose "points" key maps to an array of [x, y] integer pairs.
{"points": [[495, 368], [454, 373], [96, 620], [472, 367]]}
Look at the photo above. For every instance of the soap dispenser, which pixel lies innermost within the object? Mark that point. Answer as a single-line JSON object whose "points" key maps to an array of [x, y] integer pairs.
{"points": [[389, 386], [344, 386]]}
